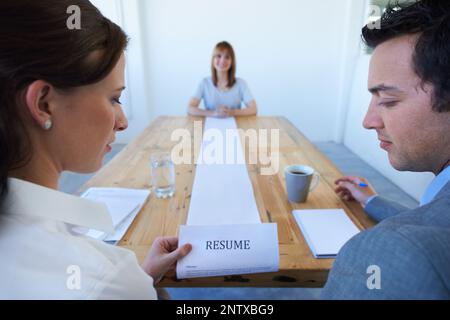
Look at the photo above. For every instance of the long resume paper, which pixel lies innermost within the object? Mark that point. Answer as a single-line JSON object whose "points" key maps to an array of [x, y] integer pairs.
{"points": [[228, 249], [222, 193]]}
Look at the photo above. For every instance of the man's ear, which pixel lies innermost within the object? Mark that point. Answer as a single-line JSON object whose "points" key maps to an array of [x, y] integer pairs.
{"points": [[37, 98]]}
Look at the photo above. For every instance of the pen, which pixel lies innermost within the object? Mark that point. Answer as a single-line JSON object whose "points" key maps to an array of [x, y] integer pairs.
{"points": [[363, 185]]}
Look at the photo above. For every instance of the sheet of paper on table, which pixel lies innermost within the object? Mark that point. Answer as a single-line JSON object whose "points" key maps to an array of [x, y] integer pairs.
{"points": [[123, 205], [222, 193]]}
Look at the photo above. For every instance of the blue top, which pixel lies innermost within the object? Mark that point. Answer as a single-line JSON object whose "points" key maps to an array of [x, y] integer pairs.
{"points": [[435, 186], [214, 97]]}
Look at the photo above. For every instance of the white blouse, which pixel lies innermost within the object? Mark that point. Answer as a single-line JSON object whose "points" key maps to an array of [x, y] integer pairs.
{"points": [[41, 257]]}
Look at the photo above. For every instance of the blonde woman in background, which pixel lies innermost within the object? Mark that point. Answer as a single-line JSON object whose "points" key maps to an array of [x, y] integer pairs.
{"points": [[223, 94]]}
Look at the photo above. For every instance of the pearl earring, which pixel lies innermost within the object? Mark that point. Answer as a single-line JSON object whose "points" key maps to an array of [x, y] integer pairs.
{"points": [[48, 124]]}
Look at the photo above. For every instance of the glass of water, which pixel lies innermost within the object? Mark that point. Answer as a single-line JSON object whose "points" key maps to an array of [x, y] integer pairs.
{"points": [[163, 174]]}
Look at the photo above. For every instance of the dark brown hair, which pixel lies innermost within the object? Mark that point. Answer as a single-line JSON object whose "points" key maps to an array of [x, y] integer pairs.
{"points": [[430, 20], [224, 47], [37, 44]]}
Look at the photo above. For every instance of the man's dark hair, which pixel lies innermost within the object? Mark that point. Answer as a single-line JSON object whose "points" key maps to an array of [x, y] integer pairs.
{"points": [[430, 20]]}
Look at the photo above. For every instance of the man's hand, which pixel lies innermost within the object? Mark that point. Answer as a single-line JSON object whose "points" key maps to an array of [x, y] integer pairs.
{"points": [[163, 256], [348, 189]]}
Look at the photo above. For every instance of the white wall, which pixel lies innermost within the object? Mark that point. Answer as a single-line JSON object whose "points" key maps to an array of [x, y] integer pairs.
{"points": [[302, 60], [126, 13]]}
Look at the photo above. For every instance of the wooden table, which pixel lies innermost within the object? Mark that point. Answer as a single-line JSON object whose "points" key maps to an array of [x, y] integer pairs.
{"points": [[162, 217]]}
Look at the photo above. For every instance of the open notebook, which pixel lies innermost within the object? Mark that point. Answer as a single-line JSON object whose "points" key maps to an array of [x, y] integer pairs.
{"points": [[325, 230]]}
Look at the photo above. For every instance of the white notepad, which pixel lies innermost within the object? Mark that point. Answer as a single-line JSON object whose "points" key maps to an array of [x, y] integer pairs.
{"points": [[325, 230], [123, 206]]}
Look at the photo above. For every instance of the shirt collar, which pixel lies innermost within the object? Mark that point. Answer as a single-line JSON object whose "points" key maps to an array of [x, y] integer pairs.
{"points": [[30, 199], [435, 186]]}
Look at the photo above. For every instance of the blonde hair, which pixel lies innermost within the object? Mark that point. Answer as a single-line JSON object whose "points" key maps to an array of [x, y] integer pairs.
{"points": [[220, 47]]}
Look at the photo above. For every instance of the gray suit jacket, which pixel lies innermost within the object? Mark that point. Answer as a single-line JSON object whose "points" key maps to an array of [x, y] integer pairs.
{"points": [[410, 247]]}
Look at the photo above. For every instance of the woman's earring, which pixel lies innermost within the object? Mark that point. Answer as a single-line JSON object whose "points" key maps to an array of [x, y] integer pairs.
{"points": [[48, 124]]}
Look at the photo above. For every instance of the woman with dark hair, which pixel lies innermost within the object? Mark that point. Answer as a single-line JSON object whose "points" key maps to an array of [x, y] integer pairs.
{"points": [[59, 111], [223, 93]]}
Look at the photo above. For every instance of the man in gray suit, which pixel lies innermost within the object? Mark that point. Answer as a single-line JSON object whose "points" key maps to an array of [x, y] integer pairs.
{"points": [[407, 255]]}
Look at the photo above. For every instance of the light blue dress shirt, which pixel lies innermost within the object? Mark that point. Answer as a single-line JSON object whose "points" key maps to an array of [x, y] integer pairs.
{"points": [[214, 97], [432, 190], [435, 186]]}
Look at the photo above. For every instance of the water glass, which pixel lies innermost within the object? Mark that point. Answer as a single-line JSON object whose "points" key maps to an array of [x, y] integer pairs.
{"points": [[163, 175]]}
